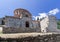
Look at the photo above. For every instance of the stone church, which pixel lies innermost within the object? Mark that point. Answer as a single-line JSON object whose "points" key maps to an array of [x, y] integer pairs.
{"points": [[22, 22]]}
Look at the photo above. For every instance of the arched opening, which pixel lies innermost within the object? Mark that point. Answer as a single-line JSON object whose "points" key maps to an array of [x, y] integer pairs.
{"points": [[27, 24], [3, 23], [26, 15], [37, 18]]}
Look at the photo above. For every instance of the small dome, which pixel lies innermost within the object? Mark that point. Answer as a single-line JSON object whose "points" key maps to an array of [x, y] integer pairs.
{"points": [[18, 12]]}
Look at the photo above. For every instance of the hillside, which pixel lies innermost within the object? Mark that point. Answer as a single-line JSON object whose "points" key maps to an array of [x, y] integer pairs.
{"points": [[58, 23]]}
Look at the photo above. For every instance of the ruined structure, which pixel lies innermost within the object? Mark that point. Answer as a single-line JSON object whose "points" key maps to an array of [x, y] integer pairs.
{"points": [[22, 22], [49, 24]]}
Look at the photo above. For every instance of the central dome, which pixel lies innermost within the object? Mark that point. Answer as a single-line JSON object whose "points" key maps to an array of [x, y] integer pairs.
{"points": [[21, 13]]}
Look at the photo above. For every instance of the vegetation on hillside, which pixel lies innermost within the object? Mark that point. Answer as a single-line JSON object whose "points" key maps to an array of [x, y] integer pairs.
{"points": [[58, 24]]}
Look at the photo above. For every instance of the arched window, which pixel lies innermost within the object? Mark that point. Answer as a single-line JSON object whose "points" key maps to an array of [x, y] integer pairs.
{"points": [[37, 18], [26, 15], [3, 23], [27, 24]]}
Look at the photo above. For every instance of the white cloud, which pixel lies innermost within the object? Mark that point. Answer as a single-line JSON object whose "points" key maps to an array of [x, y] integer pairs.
{"points": [[35, 17], [42, 15], [54, 11]]}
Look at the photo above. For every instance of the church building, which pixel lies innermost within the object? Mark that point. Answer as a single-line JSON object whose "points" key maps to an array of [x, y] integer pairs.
{"points": [[19, 23], [22, 22]]}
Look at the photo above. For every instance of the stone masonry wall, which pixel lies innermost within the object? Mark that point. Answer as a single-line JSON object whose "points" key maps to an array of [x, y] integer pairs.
{"points": [[20, 30]]}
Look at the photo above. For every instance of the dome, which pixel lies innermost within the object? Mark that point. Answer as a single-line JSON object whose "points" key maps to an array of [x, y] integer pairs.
{"points": [[21, 12]]}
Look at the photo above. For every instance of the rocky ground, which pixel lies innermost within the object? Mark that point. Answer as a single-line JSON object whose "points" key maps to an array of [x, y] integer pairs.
{"points": [[30, 37]]}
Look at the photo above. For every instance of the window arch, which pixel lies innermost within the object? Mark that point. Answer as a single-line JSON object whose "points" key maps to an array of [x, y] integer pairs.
{"points": [[3, 23], [27, 16], [26, 24]]}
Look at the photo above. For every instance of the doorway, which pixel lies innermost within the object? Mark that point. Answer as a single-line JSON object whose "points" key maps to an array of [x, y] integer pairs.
{"points": [[27, 24]]}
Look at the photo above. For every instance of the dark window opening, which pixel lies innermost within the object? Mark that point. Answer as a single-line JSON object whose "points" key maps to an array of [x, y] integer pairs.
{"points": [[43, 30], [39, 24], [26, 15], [37, 18], [27, 24], [3, 23]]}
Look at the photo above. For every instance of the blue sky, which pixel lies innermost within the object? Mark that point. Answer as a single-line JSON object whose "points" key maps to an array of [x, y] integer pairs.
{"points": [[34, 6]]}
